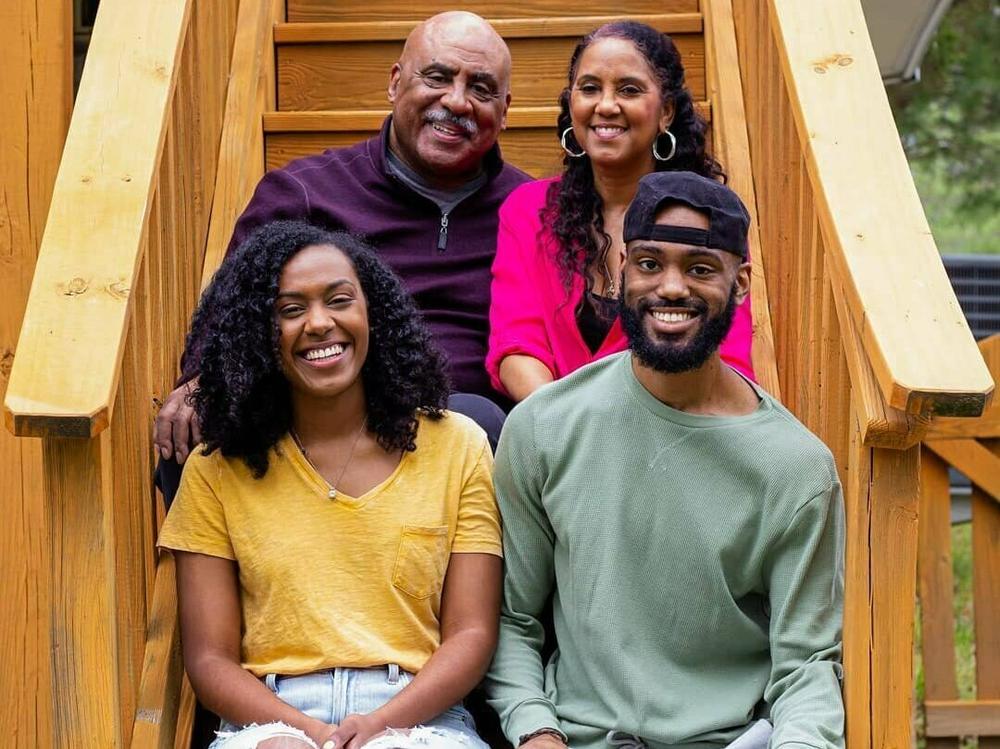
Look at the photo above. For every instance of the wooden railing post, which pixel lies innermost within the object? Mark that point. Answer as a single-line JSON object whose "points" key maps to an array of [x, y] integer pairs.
{"points": [[84, 660], [881, 498], [114, 287], [36, 94], [973, 447], [851, 274]]}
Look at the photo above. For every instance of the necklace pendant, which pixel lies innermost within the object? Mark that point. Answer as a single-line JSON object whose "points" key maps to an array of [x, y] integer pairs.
{"points": [[332, 494]]}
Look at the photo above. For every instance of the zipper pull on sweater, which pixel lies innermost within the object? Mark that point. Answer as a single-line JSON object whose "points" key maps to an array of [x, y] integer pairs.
{"points": [[443, 233]]}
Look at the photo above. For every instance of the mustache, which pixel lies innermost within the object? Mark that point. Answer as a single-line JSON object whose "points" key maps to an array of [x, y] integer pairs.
{"points": [[695, 305], [444, 117]]}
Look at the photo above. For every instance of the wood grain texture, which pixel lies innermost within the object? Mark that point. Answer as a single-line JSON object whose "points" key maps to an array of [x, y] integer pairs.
{"points": [[808, 341], [973, 459], [370, 120], [986, 600], [893, 539], [158, 701], [935, 581], [318, 11], [89, 258], [731, 147], [961, 718], [132, 191], [530, 142], [881, 424], [986, 426], [84, 655], [35, 103], [858, 600], [251, 92], [508, 28], [828, 382], [833, 77], [535, 150], [354, 75], [185, 715]]}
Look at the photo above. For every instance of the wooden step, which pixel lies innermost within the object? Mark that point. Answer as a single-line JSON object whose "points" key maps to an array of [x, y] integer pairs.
{"points": [[530, 141], [390, 10], [332, 66]]}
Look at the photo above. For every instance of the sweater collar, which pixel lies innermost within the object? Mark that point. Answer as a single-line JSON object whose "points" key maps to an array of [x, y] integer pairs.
{"points": [[683, 418], [379, 146]]}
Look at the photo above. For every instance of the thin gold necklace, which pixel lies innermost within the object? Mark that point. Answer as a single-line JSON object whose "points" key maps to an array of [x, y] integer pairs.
{"points": [[332, 494]]}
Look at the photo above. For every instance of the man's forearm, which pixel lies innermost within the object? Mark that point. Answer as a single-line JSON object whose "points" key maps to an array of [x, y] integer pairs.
{"points": [[516, 680]]}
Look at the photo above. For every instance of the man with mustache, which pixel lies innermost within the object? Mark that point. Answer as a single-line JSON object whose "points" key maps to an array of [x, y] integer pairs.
{"points": [[424, 192], [686, 528]]}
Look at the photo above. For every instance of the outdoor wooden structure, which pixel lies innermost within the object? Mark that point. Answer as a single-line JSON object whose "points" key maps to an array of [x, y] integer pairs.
{"points": [[856, 326], [972, 446], [36, 93]]}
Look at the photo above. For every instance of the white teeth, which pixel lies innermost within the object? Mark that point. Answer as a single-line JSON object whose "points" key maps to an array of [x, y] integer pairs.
{"points": [[672, 316], [324, 353], [608, 130]]}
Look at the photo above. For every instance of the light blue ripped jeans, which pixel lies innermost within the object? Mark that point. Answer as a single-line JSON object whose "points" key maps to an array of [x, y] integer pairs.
{"points": [[330, 696]]}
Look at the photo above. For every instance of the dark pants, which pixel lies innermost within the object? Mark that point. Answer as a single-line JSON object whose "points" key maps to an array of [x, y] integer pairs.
{"points": [[481, 410]]}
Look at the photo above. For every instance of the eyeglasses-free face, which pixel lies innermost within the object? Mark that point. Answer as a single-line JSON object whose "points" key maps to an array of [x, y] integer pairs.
{"points": [[322, 319], [616, 106], [449, 92]]}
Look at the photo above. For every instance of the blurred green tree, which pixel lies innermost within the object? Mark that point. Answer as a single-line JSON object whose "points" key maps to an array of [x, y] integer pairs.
{"points": [[948, 120]]}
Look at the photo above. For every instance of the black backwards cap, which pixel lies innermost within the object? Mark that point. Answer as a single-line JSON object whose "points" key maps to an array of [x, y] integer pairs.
{"points": [[728, 219]]}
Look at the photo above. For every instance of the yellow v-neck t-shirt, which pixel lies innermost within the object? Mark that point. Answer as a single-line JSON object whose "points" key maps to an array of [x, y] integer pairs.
{"points": [[349, 582]]}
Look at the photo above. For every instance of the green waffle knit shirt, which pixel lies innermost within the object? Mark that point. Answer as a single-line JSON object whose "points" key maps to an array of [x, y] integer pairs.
{"points": [[694, 563]]}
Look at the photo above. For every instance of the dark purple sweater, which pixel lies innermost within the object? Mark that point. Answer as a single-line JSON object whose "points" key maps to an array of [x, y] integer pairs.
{"points": [[444, 265]]}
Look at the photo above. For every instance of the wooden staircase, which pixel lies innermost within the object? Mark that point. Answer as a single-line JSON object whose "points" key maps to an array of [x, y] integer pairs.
{"points": [[856, 327], [333, 62]]}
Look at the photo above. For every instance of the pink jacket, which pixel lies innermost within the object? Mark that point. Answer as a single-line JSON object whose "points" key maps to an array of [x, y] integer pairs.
{"points": [[532, 314]]}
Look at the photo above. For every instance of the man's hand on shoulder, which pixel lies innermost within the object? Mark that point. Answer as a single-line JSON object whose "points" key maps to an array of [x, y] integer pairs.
{"points": [[176, 430]]}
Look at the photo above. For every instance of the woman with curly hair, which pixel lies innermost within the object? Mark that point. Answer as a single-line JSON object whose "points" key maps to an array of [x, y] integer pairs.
{"points": [[336, 535], [624, 113]]}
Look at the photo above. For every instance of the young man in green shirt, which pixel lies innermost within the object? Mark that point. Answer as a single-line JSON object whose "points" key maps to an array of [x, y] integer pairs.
{"points": [[686, 528]]}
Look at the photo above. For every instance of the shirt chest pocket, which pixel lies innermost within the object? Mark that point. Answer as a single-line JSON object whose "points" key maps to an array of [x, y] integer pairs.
{"points": [[421, 560]]}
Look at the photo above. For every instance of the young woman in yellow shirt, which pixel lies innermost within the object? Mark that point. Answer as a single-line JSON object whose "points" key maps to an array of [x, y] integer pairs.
{"points": [[336, 535]]}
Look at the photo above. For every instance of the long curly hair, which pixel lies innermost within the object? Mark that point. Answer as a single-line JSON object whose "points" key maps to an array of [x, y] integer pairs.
{"points": [[573, 208], [243, 399]]}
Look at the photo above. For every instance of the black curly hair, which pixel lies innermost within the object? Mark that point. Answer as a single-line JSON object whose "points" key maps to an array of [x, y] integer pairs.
{"points": [[573, 208], [243, 400]]}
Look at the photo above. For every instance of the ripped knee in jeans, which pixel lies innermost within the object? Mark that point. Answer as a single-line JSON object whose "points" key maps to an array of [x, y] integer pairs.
{"points": [[421, 737], [266, 736]]}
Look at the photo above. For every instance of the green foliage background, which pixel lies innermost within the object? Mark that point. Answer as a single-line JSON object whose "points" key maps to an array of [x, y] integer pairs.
{"points": [[950, 129]]}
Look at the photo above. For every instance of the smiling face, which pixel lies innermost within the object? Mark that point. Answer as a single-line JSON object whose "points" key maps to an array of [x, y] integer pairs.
{"points": [[449, 91], [678, 300], [322, 319], [616, 106]]}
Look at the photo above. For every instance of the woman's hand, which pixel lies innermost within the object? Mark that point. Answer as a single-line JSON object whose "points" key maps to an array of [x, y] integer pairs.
{"points": [[209, 602], [470, 614], [354, 732]]}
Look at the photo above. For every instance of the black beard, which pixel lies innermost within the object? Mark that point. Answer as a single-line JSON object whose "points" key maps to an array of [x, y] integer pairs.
{"points": [[670, 358]]}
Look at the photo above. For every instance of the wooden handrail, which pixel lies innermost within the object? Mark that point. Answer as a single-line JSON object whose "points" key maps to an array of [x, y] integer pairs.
{"points": [[69, 354], [882, 256], [251, 92]]}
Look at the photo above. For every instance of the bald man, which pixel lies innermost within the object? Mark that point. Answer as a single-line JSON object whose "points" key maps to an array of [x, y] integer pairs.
{"points": [[424, 192]]}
